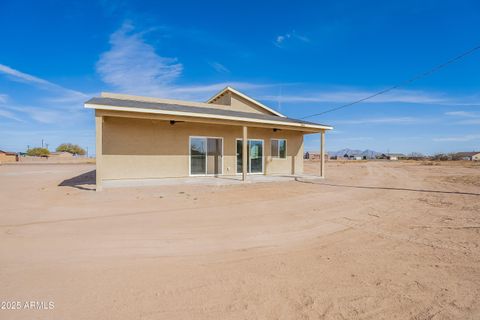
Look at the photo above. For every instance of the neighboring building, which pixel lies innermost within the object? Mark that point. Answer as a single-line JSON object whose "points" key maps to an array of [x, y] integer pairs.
{"points": [[470, 156], [316, 156], [353, 157], [143, 138], [6, 156], [392, 156], [61, 154]]}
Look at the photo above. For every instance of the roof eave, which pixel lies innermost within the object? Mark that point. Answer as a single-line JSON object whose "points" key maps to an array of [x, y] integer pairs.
{"points": [[200, 115]]}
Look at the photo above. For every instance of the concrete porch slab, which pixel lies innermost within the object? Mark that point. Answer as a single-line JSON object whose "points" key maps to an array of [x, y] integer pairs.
{"points": [[211, 180]]}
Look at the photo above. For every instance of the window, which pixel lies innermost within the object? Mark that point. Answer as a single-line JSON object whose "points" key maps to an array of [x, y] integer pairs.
{"points": [[279, 148], [206, 155]]}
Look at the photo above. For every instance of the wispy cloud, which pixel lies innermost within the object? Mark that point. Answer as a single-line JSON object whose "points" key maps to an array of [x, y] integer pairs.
{"points": [[468, 137], [397, 96], [23, 77], [132, 65], [474, 121], [9, 115], [220, 68], [467, 117], [387, 120], [466, 114], [54, 105], [281, 40]]}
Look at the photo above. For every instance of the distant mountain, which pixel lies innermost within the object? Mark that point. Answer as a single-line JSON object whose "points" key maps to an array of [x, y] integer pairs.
{"points": [[370, 154]]}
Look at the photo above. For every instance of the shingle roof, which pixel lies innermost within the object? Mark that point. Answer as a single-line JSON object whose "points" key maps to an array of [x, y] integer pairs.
{"points": [[8, 153], [214, 112]]}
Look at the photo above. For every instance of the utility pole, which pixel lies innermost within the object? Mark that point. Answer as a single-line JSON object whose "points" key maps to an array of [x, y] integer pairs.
{"points": [[42, 143]]}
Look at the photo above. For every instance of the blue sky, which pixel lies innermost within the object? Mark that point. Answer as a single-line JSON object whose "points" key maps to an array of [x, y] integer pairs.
{"points": [[300, 57]]}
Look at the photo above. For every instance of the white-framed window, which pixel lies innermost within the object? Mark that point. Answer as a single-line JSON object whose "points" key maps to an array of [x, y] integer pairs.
{"points": [[278, 148]]}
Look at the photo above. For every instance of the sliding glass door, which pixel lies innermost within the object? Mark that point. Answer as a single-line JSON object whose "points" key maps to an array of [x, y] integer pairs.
{"points": [[254, 156], [206, 156]]}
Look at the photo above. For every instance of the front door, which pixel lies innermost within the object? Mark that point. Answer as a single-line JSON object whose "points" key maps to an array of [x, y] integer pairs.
{"points": [[254, 156]]}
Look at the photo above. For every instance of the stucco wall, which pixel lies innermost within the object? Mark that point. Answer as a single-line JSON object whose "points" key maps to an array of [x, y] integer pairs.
{"points": [[138, 148], [4, 158], [238, 103], [241, 104]]}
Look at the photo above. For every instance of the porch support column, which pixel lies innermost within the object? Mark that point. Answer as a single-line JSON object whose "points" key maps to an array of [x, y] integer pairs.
{"points": [[98, 151], [244, 153], [322, 154]]}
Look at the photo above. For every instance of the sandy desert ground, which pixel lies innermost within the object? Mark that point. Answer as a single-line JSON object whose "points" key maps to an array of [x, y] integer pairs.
{"points": [[375, 240]]}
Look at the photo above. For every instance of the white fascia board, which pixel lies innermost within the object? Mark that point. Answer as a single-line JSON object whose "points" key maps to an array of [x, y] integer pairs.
{"points": [[202, 115]]}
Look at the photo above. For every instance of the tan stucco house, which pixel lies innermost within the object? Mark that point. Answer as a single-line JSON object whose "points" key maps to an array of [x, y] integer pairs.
{"points": [[147, 138], [6, 156]]}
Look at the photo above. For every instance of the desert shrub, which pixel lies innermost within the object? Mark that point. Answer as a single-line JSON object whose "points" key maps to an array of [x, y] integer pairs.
{"points": [[440, 157], [38, 152], [71, 148]]}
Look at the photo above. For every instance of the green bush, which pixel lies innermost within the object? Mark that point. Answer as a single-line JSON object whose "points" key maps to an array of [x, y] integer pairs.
{"points": [[38, 152], [71, 148]]}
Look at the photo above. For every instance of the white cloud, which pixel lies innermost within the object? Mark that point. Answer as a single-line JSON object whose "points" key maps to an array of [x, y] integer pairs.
{"points": [[465, 114], [23, 77], [469, 117], [474, 121], [55, 105], [220, 68], [215, 87], [349, 95], [386, 120], [468, 137], [132, 65], [19, 76], [9, 115], [281, 40]]}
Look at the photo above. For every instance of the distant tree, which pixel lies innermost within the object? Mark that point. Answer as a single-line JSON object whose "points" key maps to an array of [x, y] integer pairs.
{"points": [[38, 152], [71, 148], [440, 157]]}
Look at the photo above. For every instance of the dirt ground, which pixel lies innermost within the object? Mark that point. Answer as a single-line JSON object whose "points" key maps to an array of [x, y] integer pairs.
{"points": [[375, 240]]}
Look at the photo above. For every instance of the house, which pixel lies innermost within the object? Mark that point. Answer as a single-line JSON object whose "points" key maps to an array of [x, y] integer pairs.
{"points": [[144, 138], [316, 156], [6, 156], [470, 156], [392, 156]]}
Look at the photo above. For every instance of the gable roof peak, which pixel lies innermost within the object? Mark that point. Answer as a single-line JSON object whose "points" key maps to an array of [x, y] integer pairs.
{"points": [[244, 96]]}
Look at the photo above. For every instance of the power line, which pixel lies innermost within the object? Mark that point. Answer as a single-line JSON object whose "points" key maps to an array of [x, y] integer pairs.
{"points": [[403, 83]]}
